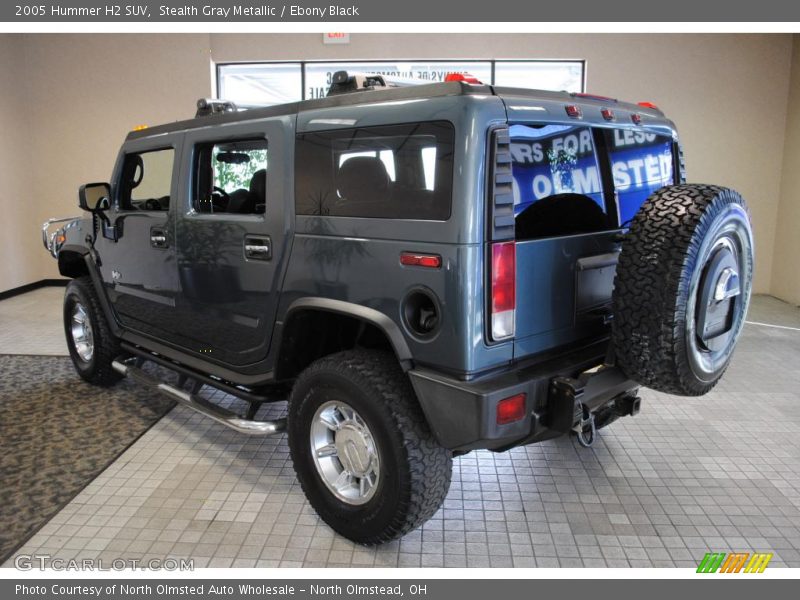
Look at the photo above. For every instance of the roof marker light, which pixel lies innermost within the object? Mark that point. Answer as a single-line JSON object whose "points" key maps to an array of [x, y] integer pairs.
{"points": [[607, 113], [636, 118], [573, 111], [465, 77], [648, 105]]}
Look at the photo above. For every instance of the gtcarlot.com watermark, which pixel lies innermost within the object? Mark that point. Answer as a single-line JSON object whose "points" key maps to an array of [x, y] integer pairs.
{"points": [[32, 562]]}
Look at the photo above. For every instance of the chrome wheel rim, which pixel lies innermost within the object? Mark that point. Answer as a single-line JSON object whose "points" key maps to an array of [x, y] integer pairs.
{"points": [[731, 234], [82, 334], [345, 453]]}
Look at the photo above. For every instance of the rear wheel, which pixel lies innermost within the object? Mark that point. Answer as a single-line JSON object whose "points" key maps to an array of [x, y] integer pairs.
{"points": [[682, 288], [361, 448], [91, 344]]}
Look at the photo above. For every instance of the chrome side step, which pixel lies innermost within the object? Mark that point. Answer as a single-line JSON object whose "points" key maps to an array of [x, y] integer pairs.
{"points": [[201, 405]]}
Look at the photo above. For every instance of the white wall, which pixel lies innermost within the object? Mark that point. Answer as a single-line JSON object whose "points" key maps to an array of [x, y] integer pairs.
{"points": [[786, 262], [727, 93], [18, 202]]}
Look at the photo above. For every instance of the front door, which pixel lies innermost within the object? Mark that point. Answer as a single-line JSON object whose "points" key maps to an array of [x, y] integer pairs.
{"points": [[230, 236], [137, 260]]}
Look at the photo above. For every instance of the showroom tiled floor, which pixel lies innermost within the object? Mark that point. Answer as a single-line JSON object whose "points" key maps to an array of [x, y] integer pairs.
{"points": [[686, 476]]}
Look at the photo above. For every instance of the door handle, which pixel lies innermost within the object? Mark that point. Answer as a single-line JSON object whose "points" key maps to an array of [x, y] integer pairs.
{"points": [[257, 247], [158, 237]]}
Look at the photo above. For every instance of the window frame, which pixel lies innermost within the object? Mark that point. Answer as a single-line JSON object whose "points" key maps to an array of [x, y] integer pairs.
{"points": [[326, 132], [194, 183], [303, 64], [118, 186]]}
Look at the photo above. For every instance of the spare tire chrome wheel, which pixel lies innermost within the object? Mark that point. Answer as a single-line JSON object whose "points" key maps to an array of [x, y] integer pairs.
{"points": [[682, 288], [345, 453]]}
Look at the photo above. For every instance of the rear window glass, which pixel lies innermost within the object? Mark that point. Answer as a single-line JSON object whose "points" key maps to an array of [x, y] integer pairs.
{"points": [[388, 172], [557, 181], [641, 163]]}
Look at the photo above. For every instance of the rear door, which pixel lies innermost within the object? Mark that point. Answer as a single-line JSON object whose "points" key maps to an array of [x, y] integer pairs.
{"points": [[574, 186], [231, 236]]}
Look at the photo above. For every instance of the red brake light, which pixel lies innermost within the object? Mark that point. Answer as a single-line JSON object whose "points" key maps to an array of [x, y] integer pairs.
{"points": [[465, 77], [412, 259], [648, 105], [511, 409], [504, 283], [573, 111]]}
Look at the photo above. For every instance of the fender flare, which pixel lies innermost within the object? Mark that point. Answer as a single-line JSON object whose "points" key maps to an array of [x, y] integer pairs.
{"points": [[374, 317]]}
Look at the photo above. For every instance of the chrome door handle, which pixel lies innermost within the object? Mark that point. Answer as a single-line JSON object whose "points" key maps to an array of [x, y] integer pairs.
{"points": [[158, 238], [257, 248]]}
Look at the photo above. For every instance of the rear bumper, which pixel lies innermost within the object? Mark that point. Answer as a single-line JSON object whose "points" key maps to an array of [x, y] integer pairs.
{"points": [[462, 414]]}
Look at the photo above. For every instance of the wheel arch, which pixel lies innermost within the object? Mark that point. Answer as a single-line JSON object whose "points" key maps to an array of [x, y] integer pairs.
{"points": [[72, 261], [336, 325]]}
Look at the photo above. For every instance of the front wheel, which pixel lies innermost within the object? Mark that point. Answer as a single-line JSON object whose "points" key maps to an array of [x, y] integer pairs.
{"points": [[362, 450], [92, 345]]}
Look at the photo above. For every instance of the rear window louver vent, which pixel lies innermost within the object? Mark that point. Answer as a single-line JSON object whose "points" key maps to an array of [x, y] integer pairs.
{"points": [[681, 164], [501, 192]]}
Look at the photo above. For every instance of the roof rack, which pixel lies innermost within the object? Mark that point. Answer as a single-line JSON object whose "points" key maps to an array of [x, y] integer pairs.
{"points": [[207, 107], [343, 82]]}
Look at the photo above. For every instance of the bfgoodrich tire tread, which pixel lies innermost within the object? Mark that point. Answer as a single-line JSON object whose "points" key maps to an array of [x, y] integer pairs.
{"points": [[98, 370], [652, 285], [425, 467]]}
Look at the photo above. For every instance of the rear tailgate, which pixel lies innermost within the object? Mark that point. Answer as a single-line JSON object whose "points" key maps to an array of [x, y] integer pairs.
{"points": [[564, 289], [574, 181]]}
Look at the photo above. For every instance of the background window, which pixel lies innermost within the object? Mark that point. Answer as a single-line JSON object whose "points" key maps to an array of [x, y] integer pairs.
{"points": [[231, 177], [260, 84], [264, 84], [318, 75], [146, 180], [541, 75], [391, 172]]}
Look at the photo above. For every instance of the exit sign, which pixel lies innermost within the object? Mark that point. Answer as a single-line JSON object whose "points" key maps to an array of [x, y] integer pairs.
{"points": [[335, 38]]}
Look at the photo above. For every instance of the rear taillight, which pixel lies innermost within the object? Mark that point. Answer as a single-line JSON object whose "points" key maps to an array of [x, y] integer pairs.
{"points": [[504, 281]]}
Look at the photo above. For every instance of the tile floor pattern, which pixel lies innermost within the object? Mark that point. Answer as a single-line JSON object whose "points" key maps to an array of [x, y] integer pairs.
{"points": [[32, 323], [686, 476]]}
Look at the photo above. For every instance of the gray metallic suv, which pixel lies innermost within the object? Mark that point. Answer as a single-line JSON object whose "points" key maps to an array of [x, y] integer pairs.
{"points": [[422, 271]]}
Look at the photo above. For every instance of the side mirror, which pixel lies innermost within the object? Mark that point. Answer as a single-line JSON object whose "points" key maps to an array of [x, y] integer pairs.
{"points": [[94, 196]]}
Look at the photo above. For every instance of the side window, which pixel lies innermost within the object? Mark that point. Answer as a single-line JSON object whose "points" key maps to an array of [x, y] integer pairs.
{"points": [[557, 183], [641, 163], [231, 177], [146, 180], [388, 172]]}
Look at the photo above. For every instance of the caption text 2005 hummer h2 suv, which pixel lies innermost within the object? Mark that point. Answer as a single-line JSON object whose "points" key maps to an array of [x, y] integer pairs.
{"points": [[423, 270]]}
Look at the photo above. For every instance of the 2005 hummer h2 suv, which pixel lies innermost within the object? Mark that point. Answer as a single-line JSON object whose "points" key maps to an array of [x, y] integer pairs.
{"points": [[422, 271]]}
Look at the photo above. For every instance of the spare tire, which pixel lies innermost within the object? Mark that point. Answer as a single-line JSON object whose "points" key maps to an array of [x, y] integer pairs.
{"points": [[682, 288]]}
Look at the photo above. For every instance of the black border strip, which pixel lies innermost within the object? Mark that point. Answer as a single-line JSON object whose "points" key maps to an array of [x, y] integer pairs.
{"points": [[29, 287]]}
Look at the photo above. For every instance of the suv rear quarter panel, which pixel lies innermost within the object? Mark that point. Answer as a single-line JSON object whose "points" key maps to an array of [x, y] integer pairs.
{"points": [[358, 259]]}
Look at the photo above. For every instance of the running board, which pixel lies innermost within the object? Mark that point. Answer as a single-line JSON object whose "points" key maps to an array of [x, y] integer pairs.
{"points": [[201, 405]]}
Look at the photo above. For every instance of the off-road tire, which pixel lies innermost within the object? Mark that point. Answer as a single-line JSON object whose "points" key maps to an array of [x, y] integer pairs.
{"points": [[97, 370], [660, 267], [416, 470]]}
